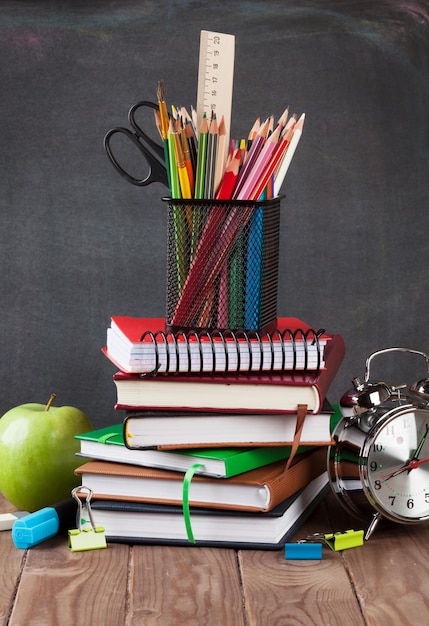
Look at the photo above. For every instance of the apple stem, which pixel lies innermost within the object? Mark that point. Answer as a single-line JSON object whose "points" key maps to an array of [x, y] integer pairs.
{"points": [[50, 401]]}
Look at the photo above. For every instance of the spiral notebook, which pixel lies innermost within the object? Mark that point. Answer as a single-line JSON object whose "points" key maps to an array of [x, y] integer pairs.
{"points": [[144, 345]]}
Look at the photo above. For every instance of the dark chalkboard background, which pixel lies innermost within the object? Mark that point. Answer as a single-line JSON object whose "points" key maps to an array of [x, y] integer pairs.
{"points": [[79, 244]]}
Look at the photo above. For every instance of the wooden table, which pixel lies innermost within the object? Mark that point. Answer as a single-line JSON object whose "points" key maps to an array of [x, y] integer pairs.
{"points": [[383, 582]]}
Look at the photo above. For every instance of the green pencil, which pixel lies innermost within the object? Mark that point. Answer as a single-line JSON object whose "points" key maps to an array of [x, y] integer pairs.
{"points": [[199, 181]]}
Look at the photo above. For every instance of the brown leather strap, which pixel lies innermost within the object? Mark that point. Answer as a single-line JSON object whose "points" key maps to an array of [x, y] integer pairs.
{"points": [[300, 418]]}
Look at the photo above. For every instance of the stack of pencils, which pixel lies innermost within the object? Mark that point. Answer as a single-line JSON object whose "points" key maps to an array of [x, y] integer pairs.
{"points": [[201, 166]]}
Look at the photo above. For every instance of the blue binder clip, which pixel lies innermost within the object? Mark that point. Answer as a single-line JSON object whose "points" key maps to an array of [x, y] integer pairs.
{"points": [[86, 536], [303, 551]]}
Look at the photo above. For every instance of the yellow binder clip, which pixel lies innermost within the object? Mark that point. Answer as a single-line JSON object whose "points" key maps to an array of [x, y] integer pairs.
{"points": [[344, 540], [86, 536], [336, 541]]}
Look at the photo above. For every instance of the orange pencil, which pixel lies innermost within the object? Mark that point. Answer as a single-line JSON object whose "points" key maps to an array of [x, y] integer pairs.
{"points": [[188, 161], [220, 155]]}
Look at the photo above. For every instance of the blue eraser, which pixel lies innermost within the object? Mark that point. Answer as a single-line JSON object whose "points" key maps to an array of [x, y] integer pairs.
{"points": [[303, 551], [35, 528]]}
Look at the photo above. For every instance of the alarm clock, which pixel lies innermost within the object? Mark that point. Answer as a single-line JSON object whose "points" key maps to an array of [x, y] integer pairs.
{"points": [[378, 465]]}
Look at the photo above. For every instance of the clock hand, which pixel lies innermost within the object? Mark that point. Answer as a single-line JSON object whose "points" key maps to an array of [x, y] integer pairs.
{"points": [[420, 446], [413, 464]]}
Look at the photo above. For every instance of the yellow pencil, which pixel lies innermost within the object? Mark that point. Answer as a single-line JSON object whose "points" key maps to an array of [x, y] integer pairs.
{"points": [[182, 172], [181, 168]]}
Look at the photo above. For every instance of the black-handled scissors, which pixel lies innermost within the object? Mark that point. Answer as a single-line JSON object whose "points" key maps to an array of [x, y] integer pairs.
{"points": [[151, 150]]}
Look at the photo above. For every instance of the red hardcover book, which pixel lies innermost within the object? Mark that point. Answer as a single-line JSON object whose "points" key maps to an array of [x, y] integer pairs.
{"points": [[271, 392], [143, 345]]}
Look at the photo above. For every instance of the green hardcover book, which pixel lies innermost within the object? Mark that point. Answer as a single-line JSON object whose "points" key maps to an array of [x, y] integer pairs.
{"points": [[108, 444]]}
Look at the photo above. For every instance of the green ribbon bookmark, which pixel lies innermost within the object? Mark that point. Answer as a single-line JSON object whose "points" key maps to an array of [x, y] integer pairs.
{"points": [[185, 499]]}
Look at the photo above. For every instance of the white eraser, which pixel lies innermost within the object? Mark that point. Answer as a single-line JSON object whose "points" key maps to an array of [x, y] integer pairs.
{"points": [[7, 520]]}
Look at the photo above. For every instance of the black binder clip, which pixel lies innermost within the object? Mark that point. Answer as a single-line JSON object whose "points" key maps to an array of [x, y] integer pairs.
{"points": [[86, 536]]}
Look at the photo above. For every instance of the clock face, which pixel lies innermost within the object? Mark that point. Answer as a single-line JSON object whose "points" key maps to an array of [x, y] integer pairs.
{"points": [[395, 465]]}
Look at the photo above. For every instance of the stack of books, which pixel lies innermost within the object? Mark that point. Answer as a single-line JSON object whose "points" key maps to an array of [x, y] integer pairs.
{"points": [[223, 437]]}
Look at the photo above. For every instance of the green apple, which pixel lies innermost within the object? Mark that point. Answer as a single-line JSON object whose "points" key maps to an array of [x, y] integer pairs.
{"points": [[38, 453]]}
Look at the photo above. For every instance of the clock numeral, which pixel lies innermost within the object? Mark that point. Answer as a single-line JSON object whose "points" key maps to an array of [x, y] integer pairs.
{"points": [[377, 484], [410, 503], [427, 497], [373, 466], [392, 500], [407, 423], [390, 430], [377, 447]]}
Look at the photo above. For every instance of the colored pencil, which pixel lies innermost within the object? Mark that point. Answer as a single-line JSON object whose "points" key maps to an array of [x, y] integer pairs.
{"points": [[188, 161], [230, 177], [199, 183], [174, 175], [259, 166], [221, 155], [192, 143], [201, 159], [164, 124], [268, 170], [182, 171], [251, 157], [297, 132], [210, 170]]}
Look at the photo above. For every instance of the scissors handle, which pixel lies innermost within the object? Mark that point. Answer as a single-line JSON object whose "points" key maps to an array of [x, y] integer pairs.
{"points": [[157, 171], [151, 150]]}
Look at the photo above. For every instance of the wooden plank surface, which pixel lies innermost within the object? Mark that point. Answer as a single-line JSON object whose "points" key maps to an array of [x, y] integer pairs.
{"points": [[10, 570], [58, 586], [279, 591], [381, 582], [189, 586], [389, 573]]}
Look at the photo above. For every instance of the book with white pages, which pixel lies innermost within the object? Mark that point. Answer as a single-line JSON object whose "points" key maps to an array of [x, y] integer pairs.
{"points": [[160, 524]]}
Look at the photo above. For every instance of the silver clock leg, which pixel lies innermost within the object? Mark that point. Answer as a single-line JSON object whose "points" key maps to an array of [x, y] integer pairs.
{"points": [[375, 519]]}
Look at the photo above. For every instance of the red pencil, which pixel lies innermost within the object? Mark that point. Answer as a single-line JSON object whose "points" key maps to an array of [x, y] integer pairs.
{"points": [[230, 177]]}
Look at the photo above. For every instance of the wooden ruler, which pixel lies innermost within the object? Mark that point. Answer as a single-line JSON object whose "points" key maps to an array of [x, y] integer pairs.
{"points": [[216, 77]]}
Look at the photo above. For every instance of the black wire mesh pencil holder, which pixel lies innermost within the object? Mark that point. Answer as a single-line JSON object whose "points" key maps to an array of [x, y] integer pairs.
{"points": [[222, 264]]}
